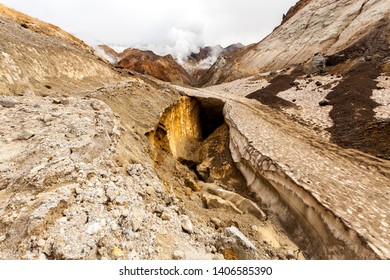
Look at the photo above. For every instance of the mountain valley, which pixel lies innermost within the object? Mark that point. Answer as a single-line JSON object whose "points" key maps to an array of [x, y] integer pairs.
{"points": [[275, 150]]}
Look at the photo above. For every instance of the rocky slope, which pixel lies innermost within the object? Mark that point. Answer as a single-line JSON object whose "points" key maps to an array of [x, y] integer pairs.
{"points": [[106, 165], [94, 164], [349, 39], [331, 193], [36, 56], [331, 201], [326, 27]]}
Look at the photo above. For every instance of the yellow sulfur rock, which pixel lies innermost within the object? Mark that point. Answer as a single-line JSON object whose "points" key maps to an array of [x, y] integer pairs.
{"points": [[117, 252]]}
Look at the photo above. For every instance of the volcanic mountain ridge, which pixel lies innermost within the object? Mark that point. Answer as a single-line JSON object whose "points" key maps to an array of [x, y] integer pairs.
{"points": [[166, 68]]}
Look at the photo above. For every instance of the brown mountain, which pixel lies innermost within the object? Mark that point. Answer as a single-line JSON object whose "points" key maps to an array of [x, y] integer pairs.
{"points": [[164, 68]]}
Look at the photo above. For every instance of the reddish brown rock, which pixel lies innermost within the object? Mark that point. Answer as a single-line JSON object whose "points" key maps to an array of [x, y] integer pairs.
{"points": [[164, 68]]}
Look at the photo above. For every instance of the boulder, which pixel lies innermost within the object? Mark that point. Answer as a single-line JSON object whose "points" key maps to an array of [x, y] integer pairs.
{"points": [[316, 64], [233, 244]]}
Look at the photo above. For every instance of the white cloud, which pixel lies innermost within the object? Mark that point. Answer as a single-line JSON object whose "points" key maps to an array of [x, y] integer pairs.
{"points": [[169, 26]]}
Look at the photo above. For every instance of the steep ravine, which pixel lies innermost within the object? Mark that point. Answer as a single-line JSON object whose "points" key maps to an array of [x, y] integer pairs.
{"points": [[190, 148], [192, 136], [186, 127]]}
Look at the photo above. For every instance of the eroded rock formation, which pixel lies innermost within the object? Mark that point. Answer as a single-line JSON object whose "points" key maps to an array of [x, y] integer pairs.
{"points": [[99, 164], [79, 176], [328, 216]]}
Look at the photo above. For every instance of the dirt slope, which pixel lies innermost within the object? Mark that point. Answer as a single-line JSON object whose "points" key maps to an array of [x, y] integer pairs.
{"points": [[40, 57]]}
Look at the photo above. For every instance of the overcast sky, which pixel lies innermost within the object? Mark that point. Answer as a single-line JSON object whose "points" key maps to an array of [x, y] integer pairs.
{"points": [[166, 26]]}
